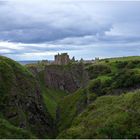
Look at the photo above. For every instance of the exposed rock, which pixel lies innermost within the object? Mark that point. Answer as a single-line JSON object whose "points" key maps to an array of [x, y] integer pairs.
{"points": [[69, 77]]}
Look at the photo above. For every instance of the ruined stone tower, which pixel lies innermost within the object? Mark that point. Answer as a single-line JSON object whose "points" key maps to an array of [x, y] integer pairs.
{"points": [[62, 59]]}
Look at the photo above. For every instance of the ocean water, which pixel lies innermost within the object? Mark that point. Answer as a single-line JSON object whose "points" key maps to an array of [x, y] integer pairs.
{"points": [[31, 62], [27, 62]]}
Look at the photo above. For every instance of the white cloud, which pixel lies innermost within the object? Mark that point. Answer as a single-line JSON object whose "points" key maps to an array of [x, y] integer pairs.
{"points": [[10, 45], [3, 51]]}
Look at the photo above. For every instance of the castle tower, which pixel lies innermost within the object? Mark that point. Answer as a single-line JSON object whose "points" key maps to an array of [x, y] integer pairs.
{"points": [[62, 59]]}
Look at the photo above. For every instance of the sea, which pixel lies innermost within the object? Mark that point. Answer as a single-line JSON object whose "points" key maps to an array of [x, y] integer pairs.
{"points": [[31, 62], [28, 62]]}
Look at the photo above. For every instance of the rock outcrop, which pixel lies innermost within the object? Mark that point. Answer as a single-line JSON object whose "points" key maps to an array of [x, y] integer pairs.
{"points": [[68, 77]]}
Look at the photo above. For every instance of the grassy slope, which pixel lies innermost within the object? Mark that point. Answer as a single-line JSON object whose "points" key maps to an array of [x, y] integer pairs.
{"points": [[7, 72], [105, 77], [129, 58], [8, 131], [68, 108], [121, 78], [79, 116], [20, 99], [108, 117], [51, 97]]}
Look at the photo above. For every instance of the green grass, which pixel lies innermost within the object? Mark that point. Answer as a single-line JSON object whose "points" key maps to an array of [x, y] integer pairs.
{"points": [[91, 112], [124, 75], [108, 117], [51, 97], [112, 61], [8, 131], [129, 58], [104, 78], [70, 106]]}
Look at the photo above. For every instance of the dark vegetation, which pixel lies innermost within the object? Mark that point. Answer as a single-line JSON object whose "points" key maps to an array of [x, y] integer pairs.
{"points": [[104, 104], [98, 69], [21, 103]]}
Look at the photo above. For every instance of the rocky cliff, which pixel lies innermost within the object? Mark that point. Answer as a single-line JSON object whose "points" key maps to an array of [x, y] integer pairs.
{"points": [[68, 77], [21, 101]]}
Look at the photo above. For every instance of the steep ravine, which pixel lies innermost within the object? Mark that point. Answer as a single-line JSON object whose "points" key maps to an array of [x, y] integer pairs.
{"points": [[56, 82], [21, 102], [103, 83], [60, 101]]}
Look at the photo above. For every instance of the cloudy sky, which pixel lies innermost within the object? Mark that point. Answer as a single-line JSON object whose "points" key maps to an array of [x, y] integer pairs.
{"points": [[38, 29]]}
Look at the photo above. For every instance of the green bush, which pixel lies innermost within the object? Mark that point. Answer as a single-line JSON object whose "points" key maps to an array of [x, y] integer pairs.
{"points": [[121, 64], [133, 64], [91, 97], [128, 64], [112, 117], [126, 78], [100, 87], [98, 69], [94, 86]]}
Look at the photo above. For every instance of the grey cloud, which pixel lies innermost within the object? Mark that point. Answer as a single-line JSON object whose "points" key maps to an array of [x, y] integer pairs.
{"points": [[24, 27], [69, 25], [3, 2]]}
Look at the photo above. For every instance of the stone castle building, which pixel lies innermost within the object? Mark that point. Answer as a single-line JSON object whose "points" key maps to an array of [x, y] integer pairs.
{"points": [[64, 59], [61, 59]]}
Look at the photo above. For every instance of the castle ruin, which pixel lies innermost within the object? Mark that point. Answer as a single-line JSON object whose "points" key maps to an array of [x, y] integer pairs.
{"points": [[61, 59], [64, 59]]}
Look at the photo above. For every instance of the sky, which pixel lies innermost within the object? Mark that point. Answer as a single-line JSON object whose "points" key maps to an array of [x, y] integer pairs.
{"points": [[39, 29]]}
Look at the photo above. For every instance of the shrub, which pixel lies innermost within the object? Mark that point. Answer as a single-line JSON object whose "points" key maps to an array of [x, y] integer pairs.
{"points": [[96, 70], [133, 64], [91, 97], [100, 87], [94, 86], [121, 64], [107, 61], [126, 78]]}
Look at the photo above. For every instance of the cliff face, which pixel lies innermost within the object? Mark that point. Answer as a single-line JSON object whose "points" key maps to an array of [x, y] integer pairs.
{"points": [[20, 99], [68, 77]]}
